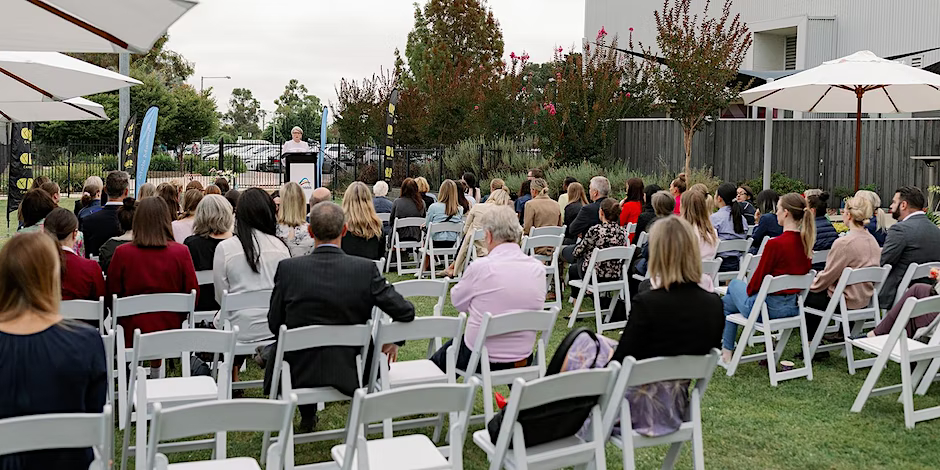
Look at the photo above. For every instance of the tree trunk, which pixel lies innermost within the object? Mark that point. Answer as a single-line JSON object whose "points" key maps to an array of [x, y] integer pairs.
{"points": [[687, 135]]}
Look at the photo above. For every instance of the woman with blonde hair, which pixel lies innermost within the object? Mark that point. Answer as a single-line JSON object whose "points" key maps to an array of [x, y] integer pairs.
{"points": [[788, 254], [694, 210], [364, 236], [446, 209], [147, 190], [541, 210], [879, 223], [292, 226], [183, 227], [472, 223], [91, 197], [36, 341], [424, 188]]}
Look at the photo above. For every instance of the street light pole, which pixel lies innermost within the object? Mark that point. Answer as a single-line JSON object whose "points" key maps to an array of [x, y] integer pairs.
{"points": [[202, 81]]}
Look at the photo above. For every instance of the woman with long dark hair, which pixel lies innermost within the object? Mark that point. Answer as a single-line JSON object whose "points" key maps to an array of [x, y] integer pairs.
{"points": [[730, 223], [648, 213], [409, 204], [473, 188], [248, 261], [767, 225]]}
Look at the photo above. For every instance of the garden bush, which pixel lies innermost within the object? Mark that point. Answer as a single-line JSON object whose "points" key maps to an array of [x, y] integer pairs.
{"points": [[163, 162], [72, 181], [500, 156], [780, 183]]}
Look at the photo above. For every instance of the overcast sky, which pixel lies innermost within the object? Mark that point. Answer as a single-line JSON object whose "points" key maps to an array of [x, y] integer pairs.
{"points": [[263, 44]]}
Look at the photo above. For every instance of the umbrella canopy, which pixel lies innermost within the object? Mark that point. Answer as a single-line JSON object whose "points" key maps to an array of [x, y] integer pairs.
{"points": [[859, 83], [74, 109], [87, 25], [51, 76]]}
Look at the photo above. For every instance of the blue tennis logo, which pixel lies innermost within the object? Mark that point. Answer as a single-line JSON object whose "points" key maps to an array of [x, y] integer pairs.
{"points": [[305, 183]]}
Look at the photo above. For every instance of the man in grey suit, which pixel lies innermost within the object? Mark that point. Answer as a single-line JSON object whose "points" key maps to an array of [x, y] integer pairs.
{"points": [[914, 239]]}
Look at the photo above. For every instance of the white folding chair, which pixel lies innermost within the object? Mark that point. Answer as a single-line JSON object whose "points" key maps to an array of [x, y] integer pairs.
{"points": [[232, 303], [380, 263], [785, 326], [914, 272], [478, 235], [424, 288], [530, 243], [844, 317], [763, 244], [565, 452], [384, 216], [549, 230], [397, 246], [748, 265], [143, 393], [386, 376], [820, 256], [742, 246], [429, 250], [641, 240], [590, 283], [897, 347], [538, 321], [631, 228], [750, 230], [204, 278], [218, 418], [85, 310], [636, 373], [308, 337], [60, 431]]}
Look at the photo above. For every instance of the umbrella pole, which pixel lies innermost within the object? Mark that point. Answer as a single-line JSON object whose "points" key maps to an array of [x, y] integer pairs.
{"points": [[858, 137]]}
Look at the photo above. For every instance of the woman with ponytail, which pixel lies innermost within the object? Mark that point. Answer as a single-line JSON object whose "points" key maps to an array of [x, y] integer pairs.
{"points": [[81, 278], [879, 223], [730, 223], [676, 188], [541, 210], [788, 254]]}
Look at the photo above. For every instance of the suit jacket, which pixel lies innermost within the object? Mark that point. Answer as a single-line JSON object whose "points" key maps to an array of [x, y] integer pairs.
{"points": [[914, 240], [329, 287], [542, 211], [662, 324], [571, 212], [99, 227], [587, 218]]}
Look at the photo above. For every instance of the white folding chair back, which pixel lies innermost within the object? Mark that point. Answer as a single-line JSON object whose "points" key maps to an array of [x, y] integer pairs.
{"points": [[220, 417], [541, 322], [641, 239], [424, 288], [204, 278], [384, 216], [397, 246], [767, 326], [631, 228], [748, 264], [549, 230], [243, 301], [637, 373], [763, 244], [85, 310], [416, 449], [711, 267], [565, 452], [820, 256], [60, 431], [851, 322], [380, 263], [529, 245], [591, 283], [897, 347], [914, 272], [750, 230], [742, 246], [431, 251]]}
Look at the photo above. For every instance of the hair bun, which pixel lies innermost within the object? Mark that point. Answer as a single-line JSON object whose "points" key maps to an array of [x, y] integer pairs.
{"points": [[824, 196], [129, 203]]}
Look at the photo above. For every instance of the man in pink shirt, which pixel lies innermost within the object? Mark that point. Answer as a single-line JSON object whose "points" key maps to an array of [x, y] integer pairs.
{"points": [[505, 280]]}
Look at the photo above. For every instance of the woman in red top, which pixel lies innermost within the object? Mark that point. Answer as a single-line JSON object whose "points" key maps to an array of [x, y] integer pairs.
{"points": [[151, 264], [789, 253], [81, 278], [632, 206], [676, 188]]}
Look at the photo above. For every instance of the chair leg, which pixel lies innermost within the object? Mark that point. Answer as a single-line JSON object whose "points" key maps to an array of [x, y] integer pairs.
{"points": [[928, 377], [672, 456], [488, 397], [398, 258], [558, 294], [739, 349], [140, 451], [698, 448], [907, 394], [869, 384], [849, 353], [577, 308], [771, 355], [804, 343], [598, 312]]}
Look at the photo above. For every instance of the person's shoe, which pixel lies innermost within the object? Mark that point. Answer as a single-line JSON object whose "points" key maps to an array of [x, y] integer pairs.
{"points": [[833, 338], [859, 336], [307, 424], [820, 356]]}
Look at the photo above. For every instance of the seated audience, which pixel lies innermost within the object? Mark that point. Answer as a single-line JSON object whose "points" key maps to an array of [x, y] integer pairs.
{"points": [[587, 216], [183, 227], [730, 223], [676, 188], [767, 225], [171, 196], [232, 196], [146, 190], [505, 280], [473, 193], [607, 234], [319, 195], [364, 237], [92, 191], [446, 209], [541, 210], [54, 191], [788, 254], [329, 288], [648, 213], [522, 197], [576, 200], [247, 262], [292, 226], [462, 199], [879, 224], [81, 278], [194, 184], [826, 234], [383, 205], [34, 207], [223, 185], [424, 189], [410, 204], [125, 216], [857, 249], [474, 222], [212, 225], [632, 206], [563, 198], [745, 197], [151, 264], [50, 365], [213, 189], [495, 183], [695, 212], [913, 239]]}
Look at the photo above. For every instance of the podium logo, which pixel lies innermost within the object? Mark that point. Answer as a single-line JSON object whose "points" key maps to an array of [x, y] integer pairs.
{"points": [[305, 183]]}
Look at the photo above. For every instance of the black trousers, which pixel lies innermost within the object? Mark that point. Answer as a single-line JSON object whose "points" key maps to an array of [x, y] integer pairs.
{"points": [[439, 359], [819, 301]]}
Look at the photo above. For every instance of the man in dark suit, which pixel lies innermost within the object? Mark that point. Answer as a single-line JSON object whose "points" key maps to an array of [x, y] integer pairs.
{"points": [[328, 287], [102, 225], [914, 239], [587, 217]]}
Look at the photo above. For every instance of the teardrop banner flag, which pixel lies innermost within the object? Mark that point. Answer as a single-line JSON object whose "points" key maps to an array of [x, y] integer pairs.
{"points": [[148, 130], [128, 149], [21, 165], [389, 135], [322, 146]]}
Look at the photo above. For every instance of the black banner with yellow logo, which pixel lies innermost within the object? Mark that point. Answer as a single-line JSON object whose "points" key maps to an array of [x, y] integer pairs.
{"points": [[129, 147], [389, 132], [21, 165]]}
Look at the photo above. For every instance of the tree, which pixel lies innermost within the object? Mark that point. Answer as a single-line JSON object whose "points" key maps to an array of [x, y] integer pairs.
{"points": [[295, 107], [192, 117], [241, 120], [170, 66], [702, 57]]}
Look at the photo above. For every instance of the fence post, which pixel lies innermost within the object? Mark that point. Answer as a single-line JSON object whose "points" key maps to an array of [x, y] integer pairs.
{"points": [[440, 171], [482, 172], [407, 164], [222, 156], [68, 151]]}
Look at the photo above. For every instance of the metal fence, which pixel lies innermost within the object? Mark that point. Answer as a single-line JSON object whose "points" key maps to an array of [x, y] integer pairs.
{"points": [[821, 153]]}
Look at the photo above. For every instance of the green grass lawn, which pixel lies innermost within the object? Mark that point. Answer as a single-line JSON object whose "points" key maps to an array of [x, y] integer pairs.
{"points": [[748, 424]]}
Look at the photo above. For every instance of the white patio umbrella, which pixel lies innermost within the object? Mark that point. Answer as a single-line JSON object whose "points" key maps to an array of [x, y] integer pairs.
{"points": [[73, 109], [51, 76], [87, 25], [859, 83]]}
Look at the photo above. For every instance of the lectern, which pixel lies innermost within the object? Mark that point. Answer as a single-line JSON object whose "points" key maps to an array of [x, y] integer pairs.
{"points": [[301, 168]]}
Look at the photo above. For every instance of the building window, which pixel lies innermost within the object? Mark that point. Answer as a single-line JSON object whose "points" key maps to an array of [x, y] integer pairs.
{"points": [[917, 62], [790, 57]]}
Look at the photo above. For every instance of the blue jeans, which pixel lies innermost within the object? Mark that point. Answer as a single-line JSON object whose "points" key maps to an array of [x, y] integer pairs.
{"points": [[737, 301]]}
